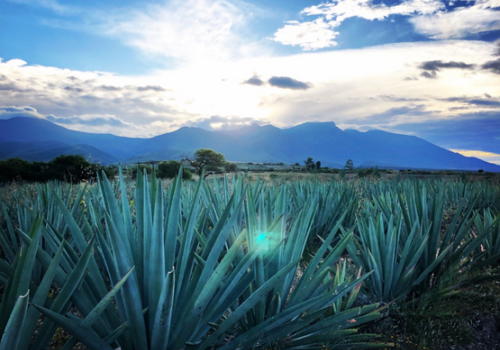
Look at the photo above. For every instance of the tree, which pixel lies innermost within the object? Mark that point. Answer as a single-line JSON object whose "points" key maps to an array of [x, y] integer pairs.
{"points": [[318, 164], [349, 165], [309, 163], [170, 169], [206, 158], [230, 167]]}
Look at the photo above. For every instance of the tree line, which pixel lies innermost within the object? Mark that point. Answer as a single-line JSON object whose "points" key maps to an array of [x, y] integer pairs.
{"points": [[70, 168]]}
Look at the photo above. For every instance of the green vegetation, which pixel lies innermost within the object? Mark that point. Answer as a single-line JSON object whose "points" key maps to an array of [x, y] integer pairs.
{"points": [[237, 263], [206, 159], [68, 168], [170, 169]]}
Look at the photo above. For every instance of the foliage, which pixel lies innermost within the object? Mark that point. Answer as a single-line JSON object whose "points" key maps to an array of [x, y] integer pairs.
{"points": [[230, 167], [170, 169], [205, 158], [309, 163], [360, 172], [237, 264], [349, 165], [70, 168]]}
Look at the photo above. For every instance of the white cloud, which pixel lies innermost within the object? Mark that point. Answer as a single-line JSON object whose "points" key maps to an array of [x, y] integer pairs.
{"points": [[49, 4], [321, 33], [480, 17], [348, 87], [317, 34], [7, 112], [429, 17], [343, 9], [15, 63], [186, 30]]}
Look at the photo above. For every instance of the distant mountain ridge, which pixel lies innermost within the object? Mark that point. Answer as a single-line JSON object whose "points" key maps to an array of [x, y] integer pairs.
{"points": [[40, 140]]}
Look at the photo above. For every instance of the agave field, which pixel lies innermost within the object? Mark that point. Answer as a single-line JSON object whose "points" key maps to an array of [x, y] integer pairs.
{"points": [[234, 264]]}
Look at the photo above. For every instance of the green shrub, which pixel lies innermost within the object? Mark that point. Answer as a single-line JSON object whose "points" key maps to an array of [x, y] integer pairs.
{"points": [[69, 168], [230, 167], [170, 169]]}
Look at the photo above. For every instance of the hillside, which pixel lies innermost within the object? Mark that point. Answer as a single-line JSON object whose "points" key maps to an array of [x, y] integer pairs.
{"points": [[37, 139]]}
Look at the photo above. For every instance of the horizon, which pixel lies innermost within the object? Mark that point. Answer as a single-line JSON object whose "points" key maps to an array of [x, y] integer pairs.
{"points": [[425, 68], [470, 155]]}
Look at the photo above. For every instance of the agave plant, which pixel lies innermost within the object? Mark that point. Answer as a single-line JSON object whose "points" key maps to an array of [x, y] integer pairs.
{"points": [[185, 274], [406, 245]]}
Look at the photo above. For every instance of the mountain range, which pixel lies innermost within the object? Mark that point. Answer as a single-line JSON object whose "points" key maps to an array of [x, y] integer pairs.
{"points": [[36, 139]]}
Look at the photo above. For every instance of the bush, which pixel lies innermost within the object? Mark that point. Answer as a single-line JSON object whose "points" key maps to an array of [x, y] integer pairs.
{"points": [[70, 168], [142, 167], [230, 167], [170, 169]]}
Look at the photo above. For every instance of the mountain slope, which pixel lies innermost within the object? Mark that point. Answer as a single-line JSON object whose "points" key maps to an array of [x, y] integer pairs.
{"points": [[39, 130], [36, 139]]}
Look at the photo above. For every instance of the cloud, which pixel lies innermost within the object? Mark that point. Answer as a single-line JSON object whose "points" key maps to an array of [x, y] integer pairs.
{"points": [[460, 22], [216, 122], [352, 87], [489, 102], [186, 30], [313, 35], [13, 111], [255, 80], [91, 120], [150, 88], [431, 75], [431, 67], [437, 65], [492, 66], [16, 62], [288, 83], [487, 156], [320, 33], [50, 4]]}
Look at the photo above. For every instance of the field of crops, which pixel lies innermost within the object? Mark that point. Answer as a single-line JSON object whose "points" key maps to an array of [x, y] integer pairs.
{"points": [[235, 264]]}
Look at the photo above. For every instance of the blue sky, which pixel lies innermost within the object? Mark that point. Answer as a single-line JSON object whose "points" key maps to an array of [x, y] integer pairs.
{"points": [[140, 68]]}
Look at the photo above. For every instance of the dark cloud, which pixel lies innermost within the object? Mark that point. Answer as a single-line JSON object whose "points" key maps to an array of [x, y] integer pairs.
{"points": [[410, 79], [72, 88], [108, 88], [150, 88], [437, 65], [431, 75], [288, 83], [490, 102], [492, 66], [89, 120], [254, 81]]}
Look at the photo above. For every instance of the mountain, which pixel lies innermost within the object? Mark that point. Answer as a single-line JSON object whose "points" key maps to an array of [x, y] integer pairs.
{"points": [[38, 139], [35, 130]]}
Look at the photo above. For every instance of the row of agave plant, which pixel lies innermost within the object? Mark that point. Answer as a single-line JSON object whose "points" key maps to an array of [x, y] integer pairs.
{"points": [[228, 263]]}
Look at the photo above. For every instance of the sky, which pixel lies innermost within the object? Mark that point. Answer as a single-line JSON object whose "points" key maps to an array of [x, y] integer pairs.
{"points": [[427, 68]]}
